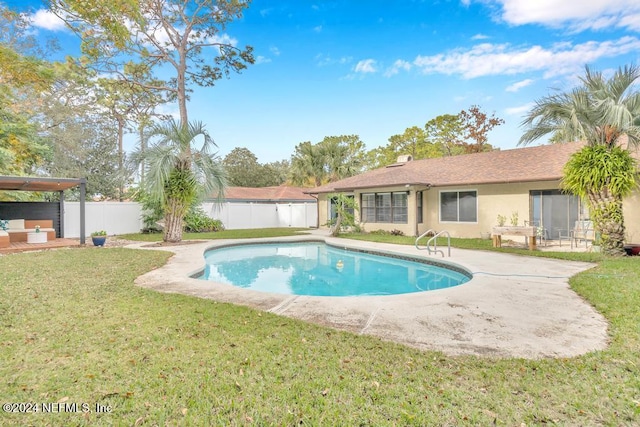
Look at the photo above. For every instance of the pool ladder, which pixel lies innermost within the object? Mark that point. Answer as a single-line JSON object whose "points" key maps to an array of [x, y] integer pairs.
{"points": [[434, 240]]}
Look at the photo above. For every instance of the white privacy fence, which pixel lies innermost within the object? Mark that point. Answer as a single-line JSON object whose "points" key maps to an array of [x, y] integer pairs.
{"points": [[237, 215], [126, 217], [112, 217]]}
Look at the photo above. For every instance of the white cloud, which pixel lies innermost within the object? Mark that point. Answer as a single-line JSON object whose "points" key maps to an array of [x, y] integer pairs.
{"points": [[480, 37], [504, 59], [519, 85], [397, 67], [47, 20], [366, 66], [262, 60], [317, 29], [324, 60], [593, 14], [519, 111], [274, 50]]}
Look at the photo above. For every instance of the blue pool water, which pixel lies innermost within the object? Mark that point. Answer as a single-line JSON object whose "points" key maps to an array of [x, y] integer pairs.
{"points": [[322, 270]]}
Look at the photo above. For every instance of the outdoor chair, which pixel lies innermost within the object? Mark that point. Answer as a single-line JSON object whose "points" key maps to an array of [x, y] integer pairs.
{"points": [[582, 231]]}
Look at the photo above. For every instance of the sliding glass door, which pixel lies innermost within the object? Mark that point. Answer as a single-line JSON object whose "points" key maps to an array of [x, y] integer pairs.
{"points": [[555, 211]]}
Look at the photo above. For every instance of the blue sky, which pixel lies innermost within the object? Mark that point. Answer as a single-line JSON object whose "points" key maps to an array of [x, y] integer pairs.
{"points": [[375, 68]]}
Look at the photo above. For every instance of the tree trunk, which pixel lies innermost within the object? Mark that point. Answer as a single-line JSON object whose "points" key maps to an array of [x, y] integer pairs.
{"points": [[173, 221], [335, 232], [143, 149], [608, 220], [120, 159]]}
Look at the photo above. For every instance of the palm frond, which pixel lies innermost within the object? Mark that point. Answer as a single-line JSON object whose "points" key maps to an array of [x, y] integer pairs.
{"points": [[599, 111]]}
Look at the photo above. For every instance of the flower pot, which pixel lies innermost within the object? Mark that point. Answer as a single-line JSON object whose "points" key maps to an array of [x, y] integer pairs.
{"points": [[632, 249], [98, 240]]}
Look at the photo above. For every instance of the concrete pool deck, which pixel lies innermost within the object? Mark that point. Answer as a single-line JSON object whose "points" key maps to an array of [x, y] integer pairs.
{"points": [[515, 306]]}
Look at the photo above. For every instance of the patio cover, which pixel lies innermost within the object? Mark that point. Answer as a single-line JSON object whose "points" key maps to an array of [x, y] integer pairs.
{"points": [[33, 183]]}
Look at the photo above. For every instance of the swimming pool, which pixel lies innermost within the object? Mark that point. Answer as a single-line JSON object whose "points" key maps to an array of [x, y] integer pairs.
{"points": [[314, 268]]}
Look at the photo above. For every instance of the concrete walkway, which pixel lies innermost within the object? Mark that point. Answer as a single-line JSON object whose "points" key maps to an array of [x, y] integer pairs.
{"points": [[515, 306]]}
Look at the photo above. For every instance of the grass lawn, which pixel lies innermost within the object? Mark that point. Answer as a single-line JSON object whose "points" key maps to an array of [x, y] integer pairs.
{"points": [[75, 329]]}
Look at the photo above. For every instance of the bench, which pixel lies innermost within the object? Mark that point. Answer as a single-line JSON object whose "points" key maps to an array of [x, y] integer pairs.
{"points": [[529, 232], [18, 230]]}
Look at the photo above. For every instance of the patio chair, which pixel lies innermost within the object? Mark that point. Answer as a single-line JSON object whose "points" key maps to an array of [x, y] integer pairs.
{"points": [[582, 231]]}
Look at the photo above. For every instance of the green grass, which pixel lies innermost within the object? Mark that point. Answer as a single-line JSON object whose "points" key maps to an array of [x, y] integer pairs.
{"points": [[224, 234], [475, 244], [74, 329]]}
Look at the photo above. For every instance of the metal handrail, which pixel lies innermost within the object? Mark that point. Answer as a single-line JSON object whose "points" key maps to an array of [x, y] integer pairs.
{"points": [[434, 239], [423, 235]]}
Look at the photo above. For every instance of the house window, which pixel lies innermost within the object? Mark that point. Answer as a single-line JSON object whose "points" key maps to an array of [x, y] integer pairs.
{"points": [[333, 211], [399, 208], [368, 208], [384, 207], [419, 206], [458, 206]]}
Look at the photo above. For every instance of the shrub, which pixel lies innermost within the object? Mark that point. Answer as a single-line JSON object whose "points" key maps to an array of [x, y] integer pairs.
{"points": [[151, 211], [197, 221]]}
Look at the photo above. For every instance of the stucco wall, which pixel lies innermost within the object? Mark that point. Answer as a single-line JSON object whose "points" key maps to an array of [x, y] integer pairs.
{"points": [[407, 229], [631, 209], [493, 200]]}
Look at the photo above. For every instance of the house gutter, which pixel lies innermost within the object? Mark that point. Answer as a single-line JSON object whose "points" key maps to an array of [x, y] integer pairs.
{"points": [[402, 184]]}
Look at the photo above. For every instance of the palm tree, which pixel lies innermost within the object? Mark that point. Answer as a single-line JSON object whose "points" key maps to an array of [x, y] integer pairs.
{"points": [[307, 165], [334, 158], [602, 112], [177, 174]]}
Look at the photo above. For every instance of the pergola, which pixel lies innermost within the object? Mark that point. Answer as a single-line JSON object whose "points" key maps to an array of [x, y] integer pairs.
{"points": [[32, 183]]}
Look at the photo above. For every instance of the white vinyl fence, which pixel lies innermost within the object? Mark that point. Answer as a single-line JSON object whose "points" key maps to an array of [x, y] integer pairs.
{"points": [[237, 215], [112, 217], [126, 217]]}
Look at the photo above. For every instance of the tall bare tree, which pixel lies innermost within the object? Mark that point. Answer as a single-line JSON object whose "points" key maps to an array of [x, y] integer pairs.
{"points": [[477, 125], [186, 36], [129, 38]]}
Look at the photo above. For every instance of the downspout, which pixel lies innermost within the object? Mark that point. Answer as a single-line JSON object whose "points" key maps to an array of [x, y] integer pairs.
{"points": [[317, 210], [61, 208], [427, 187], [83, 195]]}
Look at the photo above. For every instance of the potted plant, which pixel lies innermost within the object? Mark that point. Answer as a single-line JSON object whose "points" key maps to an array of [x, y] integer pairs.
{"points": [[99, 237]]}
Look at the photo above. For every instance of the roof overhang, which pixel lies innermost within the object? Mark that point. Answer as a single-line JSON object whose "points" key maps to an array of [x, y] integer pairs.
{"points": [[33, 183], [366, 187]]}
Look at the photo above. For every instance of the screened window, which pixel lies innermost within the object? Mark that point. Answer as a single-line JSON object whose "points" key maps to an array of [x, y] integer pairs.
{"points": [[399, 203], [419, 207], [458, 206], [333, 211], [384, 207], [368, 208]]}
